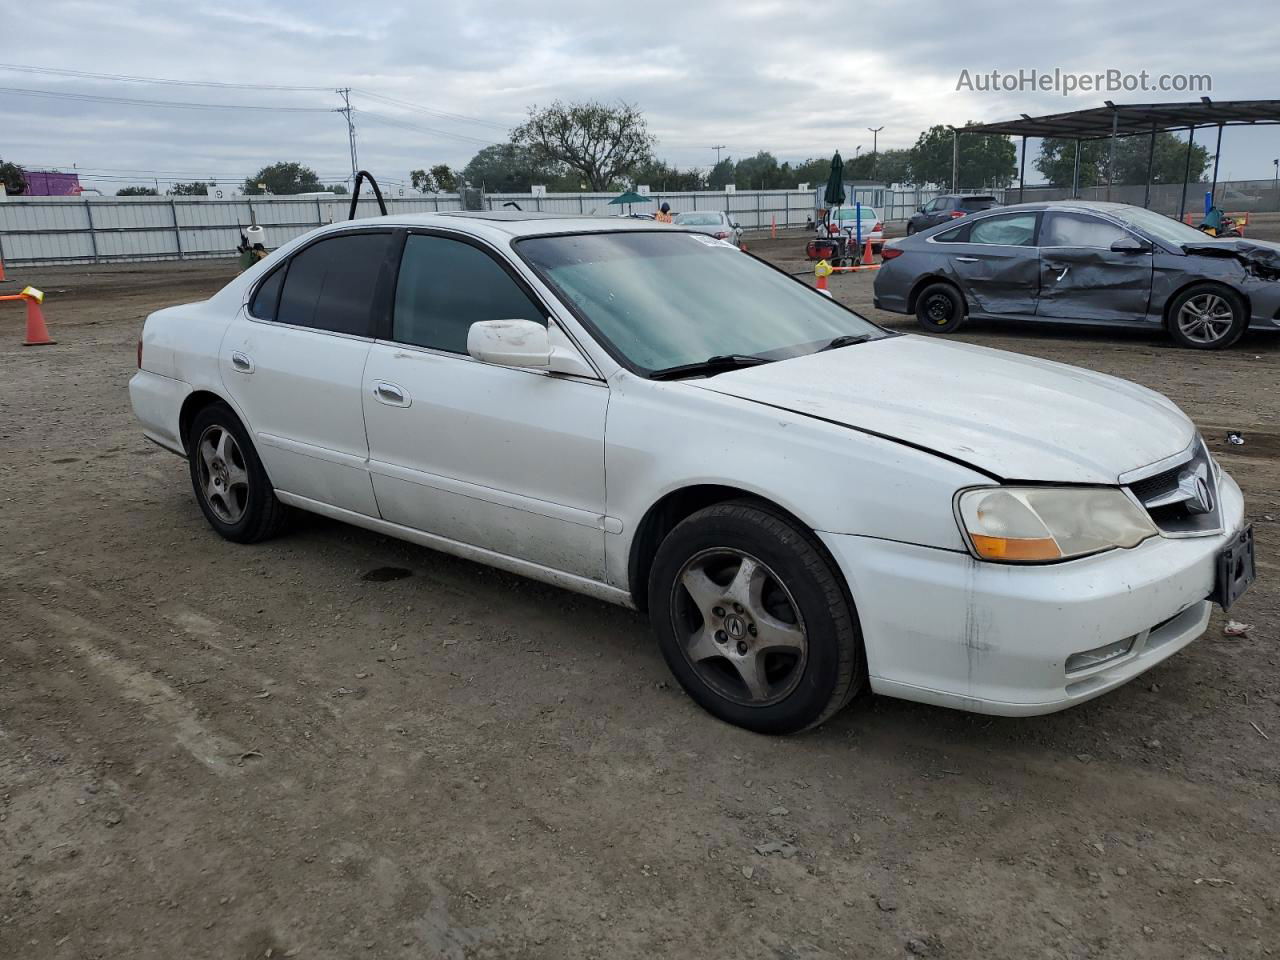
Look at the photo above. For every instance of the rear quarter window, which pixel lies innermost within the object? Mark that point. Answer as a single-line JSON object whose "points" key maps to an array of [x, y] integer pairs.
{"points": [[267, 298]]}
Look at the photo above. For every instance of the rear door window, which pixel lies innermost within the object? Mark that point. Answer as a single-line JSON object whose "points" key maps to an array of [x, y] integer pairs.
{"points": [[1079, 230], [445, 286], [1011, 230], [330, 285]]}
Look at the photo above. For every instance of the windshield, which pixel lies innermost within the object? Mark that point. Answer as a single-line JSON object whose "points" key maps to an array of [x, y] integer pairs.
{"points": [[699, 219], [1161, 227], [852, 214], [666, 299]]}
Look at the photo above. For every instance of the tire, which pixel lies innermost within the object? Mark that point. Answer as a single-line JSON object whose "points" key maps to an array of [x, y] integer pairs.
{"points": [[752, 619], [228, 479], [910, 229], [940, 308], [1207, 317]]}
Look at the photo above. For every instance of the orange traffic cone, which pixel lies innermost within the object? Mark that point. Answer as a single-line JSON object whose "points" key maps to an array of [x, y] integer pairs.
{"points": [[821, 271], [37, 332], [868, 257]]}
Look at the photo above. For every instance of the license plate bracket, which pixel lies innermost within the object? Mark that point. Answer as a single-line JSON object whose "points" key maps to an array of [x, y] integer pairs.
{"points": [[1236, 569]]}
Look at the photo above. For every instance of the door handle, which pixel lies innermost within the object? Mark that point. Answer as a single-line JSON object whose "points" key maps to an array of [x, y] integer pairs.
{"points": [[391, 394], [1064, 272], [241, 362], [966, 259]]}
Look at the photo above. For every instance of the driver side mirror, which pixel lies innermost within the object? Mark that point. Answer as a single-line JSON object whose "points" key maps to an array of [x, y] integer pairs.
{"points": [[1129, 245], [523, 343]]}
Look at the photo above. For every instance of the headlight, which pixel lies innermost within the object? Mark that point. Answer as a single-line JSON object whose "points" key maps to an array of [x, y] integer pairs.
{"points": [[1040, 524]]}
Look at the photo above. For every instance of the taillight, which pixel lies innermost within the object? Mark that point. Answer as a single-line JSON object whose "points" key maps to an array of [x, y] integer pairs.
{"points": [[139, 353], [721, 235], [877, 228], [956, 214], [888, 253]]}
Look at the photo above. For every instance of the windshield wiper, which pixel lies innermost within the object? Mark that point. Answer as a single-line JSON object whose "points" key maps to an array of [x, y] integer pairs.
{"points": [[721, 363], [848, 340]]}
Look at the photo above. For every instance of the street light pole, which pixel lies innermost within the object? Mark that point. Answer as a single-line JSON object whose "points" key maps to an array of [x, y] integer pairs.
{"points": [[875, 135]]}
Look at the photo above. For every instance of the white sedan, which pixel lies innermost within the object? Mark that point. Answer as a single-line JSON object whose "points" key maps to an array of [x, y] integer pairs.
{"points": [[804, 503]]}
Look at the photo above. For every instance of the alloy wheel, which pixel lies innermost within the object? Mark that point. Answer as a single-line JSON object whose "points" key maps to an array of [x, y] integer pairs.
{"points": [[223, 474], [1205, 318], [739, 627]]}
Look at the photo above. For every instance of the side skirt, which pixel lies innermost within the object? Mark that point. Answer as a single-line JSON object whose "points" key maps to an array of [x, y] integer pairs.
{"points": [[490, 558]]}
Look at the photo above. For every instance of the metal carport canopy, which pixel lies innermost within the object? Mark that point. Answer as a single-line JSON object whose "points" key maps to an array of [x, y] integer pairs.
{"points": [[1127, 120]]}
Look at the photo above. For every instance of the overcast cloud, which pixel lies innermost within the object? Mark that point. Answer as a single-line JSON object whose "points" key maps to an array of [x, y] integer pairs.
{"points": [[798, 80]]}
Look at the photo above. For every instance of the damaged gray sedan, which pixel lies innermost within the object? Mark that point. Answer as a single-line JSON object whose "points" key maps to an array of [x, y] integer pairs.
{"points": [[1084, 262]]}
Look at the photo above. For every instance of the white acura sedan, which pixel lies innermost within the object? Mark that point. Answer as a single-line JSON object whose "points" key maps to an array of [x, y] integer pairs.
{"points": [[804, 503]]}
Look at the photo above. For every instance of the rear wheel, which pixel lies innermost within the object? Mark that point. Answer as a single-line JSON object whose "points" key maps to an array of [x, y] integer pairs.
{"points": [[752, 619], [230, 483], [940, 308], [1207, 317]]}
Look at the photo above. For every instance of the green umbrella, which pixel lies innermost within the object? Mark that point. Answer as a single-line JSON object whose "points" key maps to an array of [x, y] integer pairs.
{"points": [[631, 197], [834, 196]]}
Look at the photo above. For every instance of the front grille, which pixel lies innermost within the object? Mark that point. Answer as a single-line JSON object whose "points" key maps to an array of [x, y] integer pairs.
{"points": [[1183, 498]]}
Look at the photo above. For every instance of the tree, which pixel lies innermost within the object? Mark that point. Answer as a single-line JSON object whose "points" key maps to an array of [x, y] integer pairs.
{"points": [[284, 178], [12, 177], [722, 173], [984, 160], [760, 172], [661, 175], [1057, 157], [602, 143], [445, 179], [509, 168], [196, 189], [338, 190], [138, 192]]}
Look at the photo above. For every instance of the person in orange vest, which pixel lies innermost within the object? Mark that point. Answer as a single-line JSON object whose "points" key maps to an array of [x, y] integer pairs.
{"points": [[664, 214]]}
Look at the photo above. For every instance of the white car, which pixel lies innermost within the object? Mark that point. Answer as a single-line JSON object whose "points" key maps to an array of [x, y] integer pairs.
{"points": [[715, 223], [805, 504], [858, 223]]}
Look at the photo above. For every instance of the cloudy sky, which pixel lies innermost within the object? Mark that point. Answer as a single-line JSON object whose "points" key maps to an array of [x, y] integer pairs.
{"points": [[797, 79]]}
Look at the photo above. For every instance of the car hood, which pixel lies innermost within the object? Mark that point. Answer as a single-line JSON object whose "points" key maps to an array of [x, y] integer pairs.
{"points": [[1012, 416], [1259, 254]]}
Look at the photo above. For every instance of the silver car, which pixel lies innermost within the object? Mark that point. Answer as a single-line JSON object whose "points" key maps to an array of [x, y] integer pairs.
{"points": [[1084, 262], [717, 223]]}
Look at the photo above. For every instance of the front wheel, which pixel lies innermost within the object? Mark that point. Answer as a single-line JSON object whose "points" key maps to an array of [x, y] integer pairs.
{"points": [[752, 619], [1207, 317], [940, 308]]}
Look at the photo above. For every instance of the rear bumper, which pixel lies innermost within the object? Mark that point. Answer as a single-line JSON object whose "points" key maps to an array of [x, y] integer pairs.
{"points": [[157, 403], [943, 628]]}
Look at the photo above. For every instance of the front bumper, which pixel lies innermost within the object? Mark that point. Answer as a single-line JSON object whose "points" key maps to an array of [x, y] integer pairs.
{"points": [[941, 627]]}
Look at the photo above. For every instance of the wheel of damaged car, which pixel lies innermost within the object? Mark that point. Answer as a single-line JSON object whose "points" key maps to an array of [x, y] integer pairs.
{"points": [[1207, 317], [940, 308], [230, 483], [752, 620]]}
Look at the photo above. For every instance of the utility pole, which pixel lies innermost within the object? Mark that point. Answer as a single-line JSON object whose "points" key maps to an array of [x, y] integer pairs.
{"points": [[345, 110], [875, 139], [717, 148]]}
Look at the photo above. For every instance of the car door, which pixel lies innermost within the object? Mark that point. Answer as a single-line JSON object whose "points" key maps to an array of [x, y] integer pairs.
{"points": [[921, 219], [293, 362], [940, 212], [503, 458], [995, 262], [1082, 278]]}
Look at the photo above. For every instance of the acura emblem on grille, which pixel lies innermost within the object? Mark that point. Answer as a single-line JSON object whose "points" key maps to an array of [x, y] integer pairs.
{"points": [[1194, 485]]}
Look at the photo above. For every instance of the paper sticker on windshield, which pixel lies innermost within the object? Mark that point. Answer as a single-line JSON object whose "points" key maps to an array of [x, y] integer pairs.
{"points": [[712, 241]]}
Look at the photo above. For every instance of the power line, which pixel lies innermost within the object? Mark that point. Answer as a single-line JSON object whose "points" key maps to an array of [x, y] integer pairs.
{"points": [[406, 125], [124, 78], [431, 111], [102, 98]]}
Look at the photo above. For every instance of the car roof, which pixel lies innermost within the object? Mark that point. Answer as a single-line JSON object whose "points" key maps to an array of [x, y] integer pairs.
{"points": [[1082, 206], [512, 222]]}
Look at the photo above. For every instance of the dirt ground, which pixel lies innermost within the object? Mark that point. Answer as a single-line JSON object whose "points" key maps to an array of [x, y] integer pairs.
{"points": [[216, 751]]}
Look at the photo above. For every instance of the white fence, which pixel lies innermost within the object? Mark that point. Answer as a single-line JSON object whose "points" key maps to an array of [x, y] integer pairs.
{"points": [[49, 230]]}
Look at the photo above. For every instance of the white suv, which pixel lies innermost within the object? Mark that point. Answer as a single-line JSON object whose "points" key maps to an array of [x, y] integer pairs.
{"points": [[803, 502]]}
